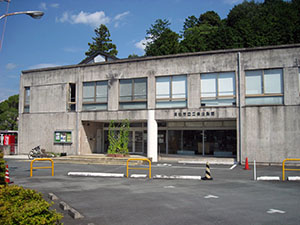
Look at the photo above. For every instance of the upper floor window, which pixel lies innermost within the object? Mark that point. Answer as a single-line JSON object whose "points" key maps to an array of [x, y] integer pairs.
{"points": [[264, 87], [27, 100], [171, 92], [133, 94], [94, 95], [218, 89], [72, 97]]}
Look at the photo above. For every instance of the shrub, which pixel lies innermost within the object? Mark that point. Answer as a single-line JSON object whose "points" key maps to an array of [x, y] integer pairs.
{"points": [[2, 168], [25, 206]]}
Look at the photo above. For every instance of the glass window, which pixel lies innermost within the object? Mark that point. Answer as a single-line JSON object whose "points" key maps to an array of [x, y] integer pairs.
{"points": [[133, 93], [94, 95], [171, 92], [27, 100], [218, 89], [72, 97], [264, 87]]}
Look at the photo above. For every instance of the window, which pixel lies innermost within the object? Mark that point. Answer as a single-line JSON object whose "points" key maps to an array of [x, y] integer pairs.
{"points": [[299, 78], [218, 89], [72, 97], [94, 95], [264, 87], [171, 92], [27, 100], [133, 94]]}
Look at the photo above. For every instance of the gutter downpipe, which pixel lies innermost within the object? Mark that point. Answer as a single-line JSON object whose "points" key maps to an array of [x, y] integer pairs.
{"points": [[240, 107]]}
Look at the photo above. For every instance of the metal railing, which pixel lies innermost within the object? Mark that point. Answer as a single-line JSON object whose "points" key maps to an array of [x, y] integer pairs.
{"points": [[138, 168], [47, 167], [284, 169]]}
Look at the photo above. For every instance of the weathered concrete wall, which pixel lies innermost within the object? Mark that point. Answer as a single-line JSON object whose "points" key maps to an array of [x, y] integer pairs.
{"points": [[38, 129], [271, 134]]}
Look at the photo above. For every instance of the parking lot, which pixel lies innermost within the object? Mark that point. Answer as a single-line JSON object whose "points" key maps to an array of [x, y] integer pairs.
{"points": [[232, 197]]}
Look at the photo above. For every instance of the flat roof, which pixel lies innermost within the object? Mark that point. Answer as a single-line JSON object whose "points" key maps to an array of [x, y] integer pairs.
{"points": [[146, 58]]}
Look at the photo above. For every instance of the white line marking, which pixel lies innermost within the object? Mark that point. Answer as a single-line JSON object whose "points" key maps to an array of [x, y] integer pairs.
{"points": [[202, 162], [268, 178], [177, 177], [293, 178], [233, 166], [271, 211], [211, 196], [91, 174], [138, 175], [169, 186]]}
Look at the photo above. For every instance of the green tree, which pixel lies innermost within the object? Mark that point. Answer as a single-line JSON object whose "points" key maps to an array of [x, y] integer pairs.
{"points": [[133, 55], [163, 41], [9, 113], [102, 42]]}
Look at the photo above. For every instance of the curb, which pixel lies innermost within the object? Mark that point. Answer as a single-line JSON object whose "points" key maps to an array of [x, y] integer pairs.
{"points": [[64, 206]]}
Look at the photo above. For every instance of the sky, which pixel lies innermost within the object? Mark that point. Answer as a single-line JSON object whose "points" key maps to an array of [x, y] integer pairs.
{"points": [[62, 35]]}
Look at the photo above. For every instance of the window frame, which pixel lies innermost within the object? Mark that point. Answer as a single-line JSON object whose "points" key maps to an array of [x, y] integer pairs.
{"points": [[171, 99], [132, 96], [70, 101], [26, 106], [217, 93], [263, 87], [94, 102]]}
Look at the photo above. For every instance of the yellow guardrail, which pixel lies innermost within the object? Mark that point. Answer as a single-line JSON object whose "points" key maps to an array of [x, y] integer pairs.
{"points": [[138, 168], [42, 159], [284, 169]]}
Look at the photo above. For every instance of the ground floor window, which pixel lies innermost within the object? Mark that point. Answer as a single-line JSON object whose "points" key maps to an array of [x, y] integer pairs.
{"points": [[182, 141]]}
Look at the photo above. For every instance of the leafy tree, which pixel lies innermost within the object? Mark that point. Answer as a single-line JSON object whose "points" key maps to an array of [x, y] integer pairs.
{"points": [[9, 113], [163, 40], [131, 56], [211, 18], [190, 22], [102, 42]]}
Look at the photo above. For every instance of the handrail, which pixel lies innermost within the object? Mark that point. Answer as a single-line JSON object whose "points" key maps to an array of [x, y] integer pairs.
{"points": [[284, 169], [135, 168], [42, 159]]}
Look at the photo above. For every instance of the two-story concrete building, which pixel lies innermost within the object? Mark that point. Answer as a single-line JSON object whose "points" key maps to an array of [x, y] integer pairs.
{"points": [[230, 103]]}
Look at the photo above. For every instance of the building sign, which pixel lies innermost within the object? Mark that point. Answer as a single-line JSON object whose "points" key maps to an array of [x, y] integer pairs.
{"points": [[194, 114], [62, 137]]}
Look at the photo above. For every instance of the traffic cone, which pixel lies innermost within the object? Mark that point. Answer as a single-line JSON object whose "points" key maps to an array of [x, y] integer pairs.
{"points": [[207, 173], [7, 180], [247, 165]]}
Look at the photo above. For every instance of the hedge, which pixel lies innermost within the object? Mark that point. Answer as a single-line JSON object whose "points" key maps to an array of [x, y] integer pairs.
{"points": [[25, 206]]}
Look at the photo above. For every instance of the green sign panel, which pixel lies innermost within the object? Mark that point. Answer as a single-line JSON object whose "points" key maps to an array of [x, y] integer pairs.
{"points": [[62, 137]]}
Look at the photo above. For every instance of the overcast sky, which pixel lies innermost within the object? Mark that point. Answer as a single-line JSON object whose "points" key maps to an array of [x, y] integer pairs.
{"points": [[61, 36]]}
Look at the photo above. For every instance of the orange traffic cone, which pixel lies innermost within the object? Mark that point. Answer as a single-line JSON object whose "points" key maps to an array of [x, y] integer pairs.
{"points": [[7, 180], [246, 164]]}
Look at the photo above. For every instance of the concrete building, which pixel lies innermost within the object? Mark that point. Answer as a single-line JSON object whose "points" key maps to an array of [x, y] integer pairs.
{"points": [[231, 103]]}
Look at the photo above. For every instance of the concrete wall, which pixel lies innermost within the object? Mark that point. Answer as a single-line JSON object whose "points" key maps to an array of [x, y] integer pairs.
{"points": [[269, 133]]}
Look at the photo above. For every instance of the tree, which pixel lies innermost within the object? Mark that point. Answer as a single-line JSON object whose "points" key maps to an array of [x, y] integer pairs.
{"points": [[133, 55], [9, 113], [163, 41], [102, 42]]}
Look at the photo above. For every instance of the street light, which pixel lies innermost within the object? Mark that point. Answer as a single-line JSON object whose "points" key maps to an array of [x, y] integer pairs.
{"points": [[33, 14]]}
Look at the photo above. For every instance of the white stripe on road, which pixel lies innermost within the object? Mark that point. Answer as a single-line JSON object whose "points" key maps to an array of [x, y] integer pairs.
{"points": [[211, 196], [268, 178], [91, 174], [233, 166], [138, 175], [271, 211], [293, 178], [177, 177]]}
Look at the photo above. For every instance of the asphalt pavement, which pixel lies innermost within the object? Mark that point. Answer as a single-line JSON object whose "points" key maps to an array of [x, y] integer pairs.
{"points": [[232, 197]]}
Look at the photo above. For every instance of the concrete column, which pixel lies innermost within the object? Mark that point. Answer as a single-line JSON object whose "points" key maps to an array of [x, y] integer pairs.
{"points": [[152, 136]]}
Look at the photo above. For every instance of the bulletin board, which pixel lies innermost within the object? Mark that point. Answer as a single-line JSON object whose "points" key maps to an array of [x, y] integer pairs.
{"points": [[63, 137]]}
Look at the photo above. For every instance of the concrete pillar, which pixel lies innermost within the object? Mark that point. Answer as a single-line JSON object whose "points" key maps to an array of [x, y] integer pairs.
{"points": [[152, 136]]}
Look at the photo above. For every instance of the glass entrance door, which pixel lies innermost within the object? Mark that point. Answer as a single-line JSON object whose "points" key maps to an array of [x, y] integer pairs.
{"points": [[138, 138]]}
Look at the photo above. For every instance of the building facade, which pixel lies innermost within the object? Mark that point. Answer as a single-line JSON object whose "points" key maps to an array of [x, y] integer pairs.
{"points": [[231, 103]]}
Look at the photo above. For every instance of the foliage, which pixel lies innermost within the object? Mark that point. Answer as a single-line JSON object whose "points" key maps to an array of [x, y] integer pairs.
{"points": [[133, 55], [249, 24], [2, 168], [9, 113], [102, 42], [118, 138], [25, 206]]}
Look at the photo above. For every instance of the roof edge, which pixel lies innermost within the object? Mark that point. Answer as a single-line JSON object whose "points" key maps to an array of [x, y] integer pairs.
{"points": [[144, 58]]}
